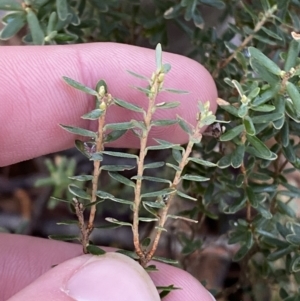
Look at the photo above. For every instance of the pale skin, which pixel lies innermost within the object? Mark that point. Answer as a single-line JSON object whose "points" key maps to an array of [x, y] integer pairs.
{"points": [[34, 100]]}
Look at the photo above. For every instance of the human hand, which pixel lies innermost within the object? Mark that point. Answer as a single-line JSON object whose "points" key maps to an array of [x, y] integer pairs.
{"points": [[34, 101]]}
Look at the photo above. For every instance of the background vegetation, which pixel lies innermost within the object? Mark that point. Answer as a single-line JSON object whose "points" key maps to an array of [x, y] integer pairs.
{"points": [[248, 236]]}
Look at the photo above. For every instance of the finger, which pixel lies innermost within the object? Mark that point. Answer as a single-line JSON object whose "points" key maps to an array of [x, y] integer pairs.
{"points": [[34, 99], [111, 276], [24, 259]]}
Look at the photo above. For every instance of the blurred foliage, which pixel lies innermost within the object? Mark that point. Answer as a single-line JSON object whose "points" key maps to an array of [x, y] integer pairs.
{"points": [[257, 152]]}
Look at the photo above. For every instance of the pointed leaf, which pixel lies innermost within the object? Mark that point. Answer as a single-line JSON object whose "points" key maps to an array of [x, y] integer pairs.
{"points": [[264, 61], [162, 122], [82, 178], [185, 126], [15, 22], [94, 250], [77, 191], [93, 115], [153, 179], [138, 75], [202, 162], [175, 91], [121, 179], [120, 126], [128, 105], [62, 9], [185, 196], [117, 167], [294, 95], [64, 237], [119, 154], [232, 133], [194, 178], [249, 126], [79, 131], [79, 86], [260, 147], [10, 5], [167, 105], [114, 135], [36, 31], [148, 219], [154, 165], [166, 191], [115, 221]]}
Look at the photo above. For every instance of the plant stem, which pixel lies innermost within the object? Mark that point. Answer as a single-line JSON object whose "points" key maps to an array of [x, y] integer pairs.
{"points": [[99, 148], [140, 170], [164, 211]]}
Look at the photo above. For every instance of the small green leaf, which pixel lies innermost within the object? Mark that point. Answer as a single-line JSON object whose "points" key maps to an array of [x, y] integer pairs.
{"points": [[177, 155], [153, 179], [293, 53], [224, 162], [82, 178], [36, 31], [202, 162], [265, 118], [263, 108], [185, 196], [130, 254], [10, 5], [119, 154], [163, 122], [264, 61], [294, 95], [15, 22], [279, 253], [167, 105], [93, 115], [51, 23], [173, 166], [64, 237], [115, 221], [121, 179], [154, 165], [175, 91], [237, 156], [77, 191], [249, 126], [114, 135], [67, 223], [232, 133], [262, 149], [146, 242], [194, 178], [285, 209], [119, 126], [94, 250], [241, 253], [104, 195], [62, 9], [138, 75], [158, 56], [79, 131], [185, 126], [101, 83], [79, 86], [128, 106], [59, 200], [148, 219], [165, 260], [166, 191], [117, 167], [182, 218]]}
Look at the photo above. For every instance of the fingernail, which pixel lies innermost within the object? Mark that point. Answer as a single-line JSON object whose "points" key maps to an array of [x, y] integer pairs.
{"points": [[111, 276]]}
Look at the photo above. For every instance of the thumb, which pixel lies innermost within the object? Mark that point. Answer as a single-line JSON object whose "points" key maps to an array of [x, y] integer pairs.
{"points": [[111, 276]]}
